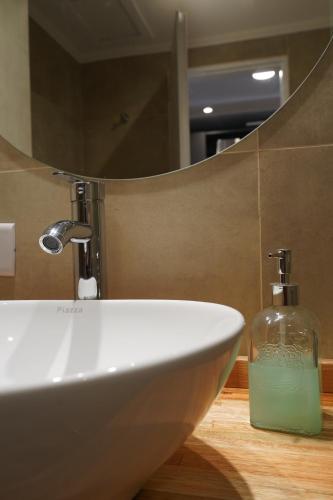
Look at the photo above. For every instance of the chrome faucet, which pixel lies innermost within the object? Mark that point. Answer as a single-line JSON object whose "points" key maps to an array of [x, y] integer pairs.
{"points": [[86, 232]]}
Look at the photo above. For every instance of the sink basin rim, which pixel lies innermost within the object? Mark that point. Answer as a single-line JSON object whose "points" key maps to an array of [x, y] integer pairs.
{"points": [[183, 356]]}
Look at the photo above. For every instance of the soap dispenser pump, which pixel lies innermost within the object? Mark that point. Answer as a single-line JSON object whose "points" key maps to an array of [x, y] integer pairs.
{"points": [[284, 386]]}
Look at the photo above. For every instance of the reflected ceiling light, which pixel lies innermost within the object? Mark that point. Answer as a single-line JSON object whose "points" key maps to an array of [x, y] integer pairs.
{"points": [[263, 75], [207, 110], [280, 73]]}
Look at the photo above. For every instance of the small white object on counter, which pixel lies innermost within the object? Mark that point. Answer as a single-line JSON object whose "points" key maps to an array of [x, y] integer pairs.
{"points": [[7, 249]]}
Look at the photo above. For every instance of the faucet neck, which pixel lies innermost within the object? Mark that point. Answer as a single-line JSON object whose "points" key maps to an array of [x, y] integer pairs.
{"points": [[88, 208]]}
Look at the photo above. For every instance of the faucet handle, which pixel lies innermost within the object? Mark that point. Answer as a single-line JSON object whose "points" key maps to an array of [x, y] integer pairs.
{"points": [[83, 189], [68, 177]]}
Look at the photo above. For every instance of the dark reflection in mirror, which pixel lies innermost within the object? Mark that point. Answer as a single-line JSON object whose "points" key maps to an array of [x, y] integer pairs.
{"points": [[228, 101], [102, 72]]}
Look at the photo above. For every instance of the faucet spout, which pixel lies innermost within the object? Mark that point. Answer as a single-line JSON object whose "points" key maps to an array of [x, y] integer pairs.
{"points": [[57, 235]]}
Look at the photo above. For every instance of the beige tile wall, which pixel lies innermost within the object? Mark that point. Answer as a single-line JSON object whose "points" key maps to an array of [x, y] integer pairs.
{"points": [[307, 118], [15, 116], [32, 198], [189, 226], [297, 213], [296, 192], [201, 233]]}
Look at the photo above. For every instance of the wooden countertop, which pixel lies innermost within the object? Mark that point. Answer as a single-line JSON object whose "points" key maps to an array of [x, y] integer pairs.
{"points": [[228, 459]]}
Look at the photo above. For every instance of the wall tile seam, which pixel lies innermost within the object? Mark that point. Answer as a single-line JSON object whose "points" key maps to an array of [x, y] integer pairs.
{"points": [[282, 148], [292, 148], [254, 150], [22, 170], [261, 295], [242, 152]]}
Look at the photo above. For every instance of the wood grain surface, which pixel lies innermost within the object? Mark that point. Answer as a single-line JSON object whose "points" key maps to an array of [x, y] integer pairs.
{"points": [[227, 459]]}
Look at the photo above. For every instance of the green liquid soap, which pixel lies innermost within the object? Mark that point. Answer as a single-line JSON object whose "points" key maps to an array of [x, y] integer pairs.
{"points": [[285, 397]]}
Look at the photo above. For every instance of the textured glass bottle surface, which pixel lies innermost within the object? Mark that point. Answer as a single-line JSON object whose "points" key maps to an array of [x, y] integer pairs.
{"points": [[283, 371]]}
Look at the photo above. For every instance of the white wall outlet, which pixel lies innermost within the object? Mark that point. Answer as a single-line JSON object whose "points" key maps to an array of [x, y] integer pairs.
{"points": [[7, 249]]}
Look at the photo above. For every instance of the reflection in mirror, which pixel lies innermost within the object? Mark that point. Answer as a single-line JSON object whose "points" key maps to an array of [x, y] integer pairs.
{"points": [[228, 101], [101, 76]]}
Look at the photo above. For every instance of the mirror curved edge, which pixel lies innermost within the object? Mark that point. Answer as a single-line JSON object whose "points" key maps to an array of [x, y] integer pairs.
{"points": [[196, 55], [27, 162], [30, 163]]}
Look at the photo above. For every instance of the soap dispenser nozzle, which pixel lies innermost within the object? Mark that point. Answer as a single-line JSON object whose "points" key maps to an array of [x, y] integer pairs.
{"points": [[283, 257], [284, 292]]}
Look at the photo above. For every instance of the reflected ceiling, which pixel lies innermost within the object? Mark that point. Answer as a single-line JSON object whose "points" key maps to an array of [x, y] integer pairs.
{"points": [[101, 29]]}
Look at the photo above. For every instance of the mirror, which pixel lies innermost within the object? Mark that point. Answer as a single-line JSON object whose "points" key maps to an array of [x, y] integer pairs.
{"points": [[108, 77]]}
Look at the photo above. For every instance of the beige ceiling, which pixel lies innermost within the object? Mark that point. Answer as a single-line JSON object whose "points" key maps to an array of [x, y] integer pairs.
{"points": [[99, 29]]}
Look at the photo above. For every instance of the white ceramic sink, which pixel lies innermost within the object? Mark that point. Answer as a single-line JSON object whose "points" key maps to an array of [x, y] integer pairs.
{"points": [[95, 395]]}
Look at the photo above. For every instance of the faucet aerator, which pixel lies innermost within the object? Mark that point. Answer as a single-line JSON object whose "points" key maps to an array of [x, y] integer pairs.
{"points": [[50, 244]]}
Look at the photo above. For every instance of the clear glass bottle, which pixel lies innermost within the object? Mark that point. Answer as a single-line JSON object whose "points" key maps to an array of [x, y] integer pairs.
{"points": [[284, 385]]}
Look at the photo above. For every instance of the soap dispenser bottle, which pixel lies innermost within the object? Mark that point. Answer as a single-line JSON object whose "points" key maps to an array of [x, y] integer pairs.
{"points": [[284, 385]]}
